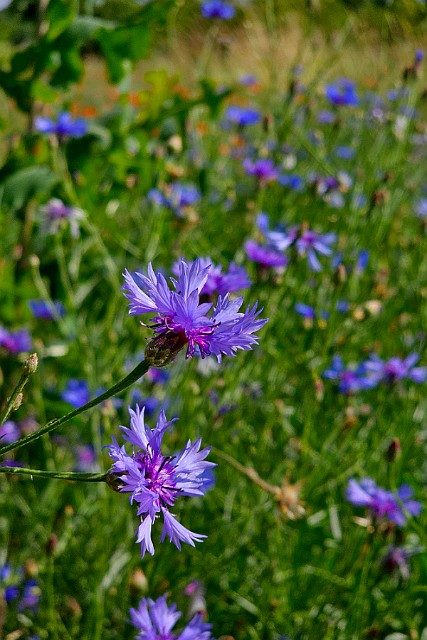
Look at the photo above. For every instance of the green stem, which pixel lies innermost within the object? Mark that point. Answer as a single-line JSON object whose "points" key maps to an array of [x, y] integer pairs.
{"points": [[57, 475], [133, 376], [29, 367]]}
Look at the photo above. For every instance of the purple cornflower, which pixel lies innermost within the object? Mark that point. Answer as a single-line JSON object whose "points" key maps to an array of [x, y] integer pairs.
{"points": [[311, 243], [47, 310], [383, 504], [155, 621], [9, 432], [396, 560], [349, 380], [235, 279], [265, 255], [342, 93], [395, 369], [263, 169], [57, 214], [217, 9], [76, 393], [180, 319], [242, 116], [65, 126], [15, 341], [155, 481]]}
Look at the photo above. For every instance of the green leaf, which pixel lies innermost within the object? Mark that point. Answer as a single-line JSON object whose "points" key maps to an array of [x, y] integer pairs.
{"points": [[42, 92], [124, 45], [59, 16], [26, 183]]}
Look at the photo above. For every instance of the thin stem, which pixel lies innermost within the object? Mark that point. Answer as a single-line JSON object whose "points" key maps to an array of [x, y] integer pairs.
{"points": [[56, 475], [249, 472], [29, 367], [132, 377]]}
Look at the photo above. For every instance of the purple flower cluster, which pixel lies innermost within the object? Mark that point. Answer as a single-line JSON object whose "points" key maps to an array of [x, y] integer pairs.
{"points": [[155, 620], [65, 126], [15, 342], [219, 283], [374, 371], [23, 592], [155, 481], [181, 319], [392, 506]]}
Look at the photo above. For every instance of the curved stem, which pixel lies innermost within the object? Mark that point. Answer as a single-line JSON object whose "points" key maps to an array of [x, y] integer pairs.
{"points": [[133, 376], [64, 475], [29, 367]]}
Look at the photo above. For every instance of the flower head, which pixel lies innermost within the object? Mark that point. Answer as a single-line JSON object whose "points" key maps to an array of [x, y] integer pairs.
{"points": [[76, 393], [46, 310], [181, 319], [235, 279], [395, 369], [350, 380], [383, 504], [9, 432], [64, 126], [56, 215], [263, 169], [15, 341], [342, 93], [217, 9], [155, 481], [155, 620], [242, 116]]}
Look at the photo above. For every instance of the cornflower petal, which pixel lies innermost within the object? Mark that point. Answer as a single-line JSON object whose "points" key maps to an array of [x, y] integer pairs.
{"points": [[176, 532]]}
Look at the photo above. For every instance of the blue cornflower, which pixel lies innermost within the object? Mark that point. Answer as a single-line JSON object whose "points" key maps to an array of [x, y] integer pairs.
{"points": [[349, 380], [383, 504], [46, 310], [64, 126], [395, 369], [293, 181], [180, 319], [76, 393], [183, 195], [155, 481], [242, 116], [342, 93], [155, 621], [305, 310], [15, 342], [217, 9], [235, 279], [263, 169]]}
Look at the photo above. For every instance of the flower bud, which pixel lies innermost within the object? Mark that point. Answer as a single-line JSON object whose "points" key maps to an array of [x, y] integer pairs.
{"points": [[31, 364], [164, 348]]}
